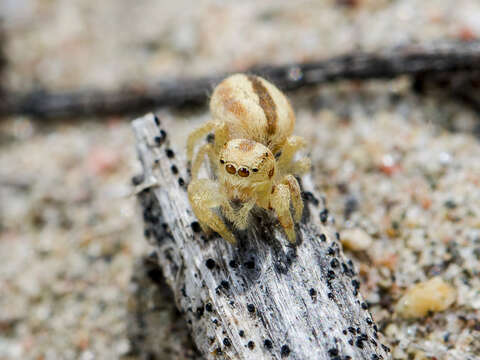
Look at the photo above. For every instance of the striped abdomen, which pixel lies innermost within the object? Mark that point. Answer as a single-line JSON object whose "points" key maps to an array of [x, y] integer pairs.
{"points": [[253, 108]]}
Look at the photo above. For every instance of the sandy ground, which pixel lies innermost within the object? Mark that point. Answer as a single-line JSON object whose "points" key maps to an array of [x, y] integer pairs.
{"points": [[400, 171]]}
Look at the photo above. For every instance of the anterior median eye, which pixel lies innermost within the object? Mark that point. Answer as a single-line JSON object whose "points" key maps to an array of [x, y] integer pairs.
{"points": [[230, 169], [243, 172]]}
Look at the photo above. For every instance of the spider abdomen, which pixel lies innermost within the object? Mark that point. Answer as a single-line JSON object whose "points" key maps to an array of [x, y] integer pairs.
{"points": [[253, 108]]}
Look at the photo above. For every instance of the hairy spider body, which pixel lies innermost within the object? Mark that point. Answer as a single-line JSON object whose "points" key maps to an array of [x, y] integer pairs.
{"points": [[251, 156], [252, 108]]}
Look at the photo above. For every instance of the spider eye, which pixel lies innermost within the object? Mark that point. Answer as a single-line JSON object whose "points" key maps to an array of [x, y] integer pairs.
{"points": [[230, 169], [222, 161], [243, 172], [254, 170]]}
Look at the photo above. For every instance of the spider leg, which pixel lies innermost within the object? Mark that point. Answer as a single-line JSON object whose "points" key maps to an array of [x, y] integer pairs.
{"points": [[196, 135], [280, 202], [204, 195], [295, 195], [301, 166], [200, 156], [291, 146], [221, 136]]}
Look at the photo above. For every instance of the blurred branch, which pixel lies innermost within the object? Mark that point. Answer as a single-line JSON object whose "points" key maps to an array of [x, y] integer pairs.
{"points": [[446, 58], [3, 58]]}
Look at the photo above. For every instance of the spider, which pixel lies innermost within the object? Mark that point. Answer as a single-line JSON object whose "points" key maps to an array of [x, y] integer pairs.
{"points": [[251, 157]]}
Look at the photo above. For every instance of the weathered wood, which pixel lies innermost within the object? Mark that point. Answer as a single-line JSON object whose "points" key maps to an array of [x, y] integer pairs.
{"points": [[263, 299], [444, 57], [155, 327]]}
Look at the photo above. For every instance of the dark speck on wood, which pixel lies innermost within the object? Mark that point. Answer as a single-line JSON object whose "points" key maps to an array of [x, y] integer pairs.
{"points": [[285, 351], [225, 285], [210, 263], [159, 140], [138, 179], [268, 344], [324, 216], [333, 352], [250, 264], [196, 226], [170, 154], [308, 196]]}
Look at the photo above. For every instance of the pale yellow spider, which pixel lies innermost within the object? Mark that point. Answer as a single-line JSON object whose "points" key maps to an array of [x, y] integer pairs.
{"points": [[251, 156]]}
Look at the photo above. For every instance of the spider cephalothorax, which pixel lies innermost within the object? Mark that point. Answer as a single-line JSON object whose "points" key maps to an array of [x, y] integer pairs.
{"points": [[245, 167], [252, 157]]}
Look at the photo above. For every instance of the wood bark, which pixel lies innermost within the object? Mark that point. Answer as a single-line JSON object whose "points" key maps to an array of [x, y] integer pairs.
{"points": [[156, 329], [261, 299], [445, 57]]}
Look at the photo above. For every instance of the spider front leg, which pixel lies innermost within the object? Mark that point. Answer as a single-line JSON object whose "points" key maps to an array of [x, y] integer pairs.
{"points": [[284, 163], [301, 166], [204, 195], [199, 158], [295, 195], [221, 137], [280, 203], [196, 135]]}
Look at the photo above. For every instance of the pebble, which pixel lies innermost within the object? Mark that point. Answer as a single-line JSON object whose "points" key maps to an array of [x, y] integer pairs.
{"points": [[356, 239], [432, 295]]}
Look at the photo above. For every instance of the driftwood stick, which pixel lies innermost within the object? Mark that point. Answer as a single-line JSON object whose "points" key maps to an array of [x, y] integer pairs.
{"points": [[437, 58], [262, 299], [155, 328]]}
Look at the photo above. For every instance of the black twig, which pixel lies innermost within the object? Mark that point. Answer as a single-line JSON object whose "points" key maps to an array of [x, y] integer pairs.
{"points": [[3, 58], [415, 60]]}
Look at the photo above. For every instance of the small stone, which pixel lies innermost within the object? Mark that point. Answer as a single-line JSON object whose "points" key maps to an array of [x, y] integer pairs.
{"points": [[356, 239], [432, 295]]}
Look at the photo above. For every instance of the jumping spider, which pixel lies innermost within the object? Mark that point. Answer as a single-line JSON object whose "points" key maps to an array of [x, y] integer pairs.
{"points": [[251, 156]]}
